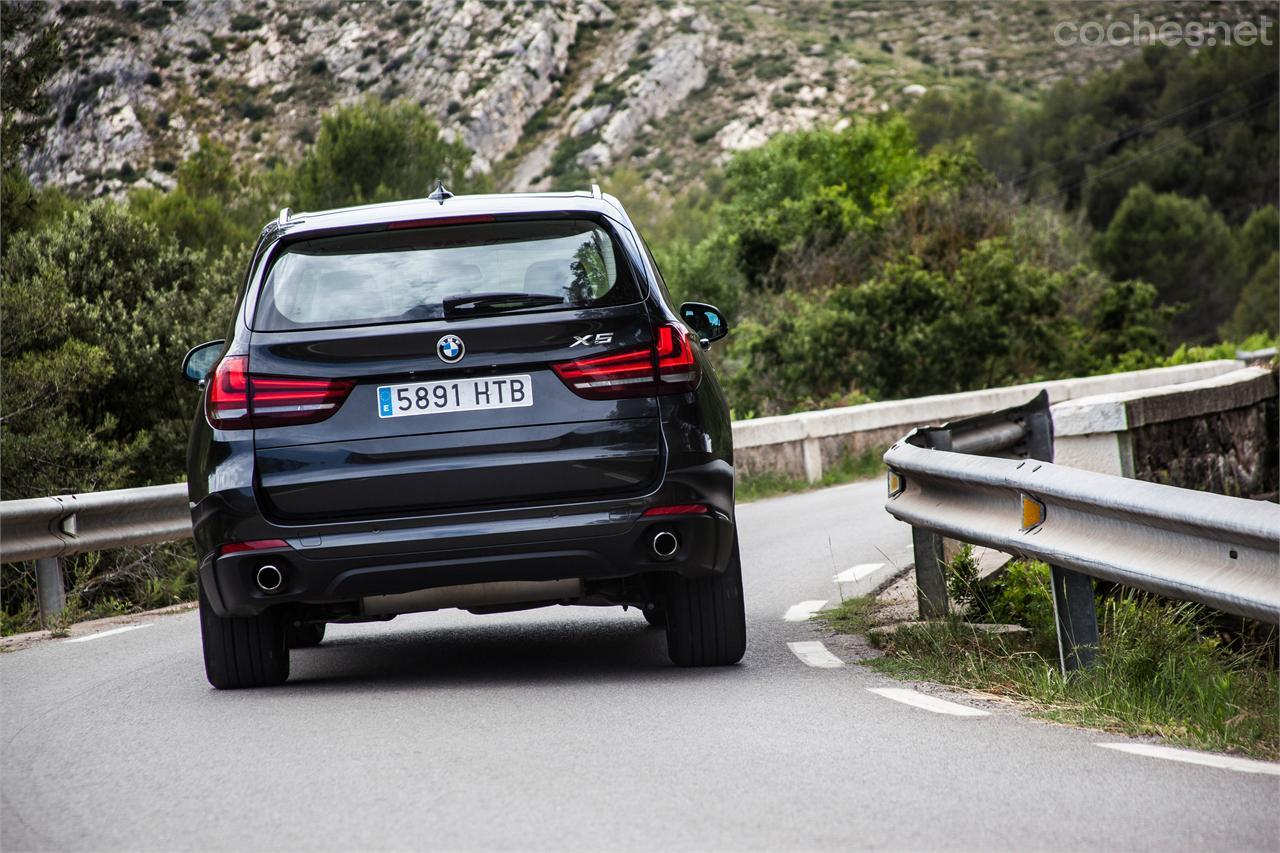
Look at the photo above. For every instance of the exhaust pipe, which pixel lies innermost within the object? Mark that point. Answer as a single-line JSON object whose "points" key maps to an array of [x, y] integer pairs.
{"points": [[269, 579], [664, 545]]}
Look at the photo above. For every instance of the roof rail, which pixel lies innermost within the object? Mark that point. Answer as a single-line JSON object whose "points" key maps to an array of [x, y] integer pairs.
{"points": [[595, 191], [283, 219]]}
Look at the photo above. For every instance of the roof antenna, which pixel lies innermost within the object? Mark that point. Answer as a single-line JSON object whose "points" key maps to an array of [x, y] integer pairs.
{"points": [[440, 193]]}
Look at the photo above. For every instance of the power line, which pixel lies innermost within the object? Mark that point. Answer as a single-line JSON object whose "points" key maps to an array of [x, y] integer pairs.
{"points": [[1154, 151], [1151, 125]]}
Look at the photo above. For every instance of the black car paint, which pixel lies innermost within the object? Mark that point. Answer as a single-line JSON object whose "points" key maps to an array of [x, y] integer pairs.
{"points": [[335, 560]]}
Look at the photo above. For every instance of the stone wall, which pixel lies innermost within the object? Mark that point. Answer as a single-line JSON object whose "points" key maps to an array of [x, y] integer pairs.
{"points": [[1231, 453], [1215, 435]]}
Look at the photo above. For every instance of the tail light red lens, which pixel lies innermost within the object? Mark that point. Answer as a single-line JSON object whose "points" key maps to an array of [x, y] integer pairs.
{"points": [[669, 366], [239, 400], [227, 402], [252, 545], [677, 509], [678, 368]]}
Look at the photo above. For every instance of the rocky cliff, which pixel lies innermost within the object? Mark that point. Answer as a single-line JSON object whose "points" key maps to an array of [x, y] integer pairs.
{"points": [[545, 93]]}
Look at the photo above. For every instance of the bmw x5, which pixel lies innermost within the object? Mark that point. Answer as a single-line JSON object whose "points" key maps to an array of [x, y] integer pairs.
{"points": [[482, 402]]}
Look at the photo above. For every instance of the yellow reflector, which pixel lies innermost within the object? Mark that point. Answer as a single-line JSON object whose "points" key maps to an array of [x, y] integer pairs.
{"points": [[1032, 512], [896, 483]]}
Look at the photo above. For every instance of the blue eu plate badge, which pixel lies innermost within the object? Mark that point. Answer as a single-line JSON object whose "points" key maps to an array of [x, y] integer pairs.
{"points": [[384, 402]]}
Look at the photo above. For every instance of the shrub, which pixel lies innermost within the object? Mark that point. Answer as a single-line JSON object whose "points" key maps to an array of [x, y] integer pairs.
{"points": [[1182, 247], [372, 151], [243, 23], [99, 309]]}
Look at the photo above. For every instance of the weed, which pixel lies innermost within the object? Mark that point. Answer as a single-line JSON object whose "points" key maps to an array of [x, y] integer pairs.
{"points": [[852, 616], [1159, 670], [962, 579]]}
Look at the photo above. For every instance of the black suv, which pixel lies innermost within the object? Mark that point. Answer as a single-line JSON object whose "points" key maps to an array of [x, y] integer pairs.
{"points": [[483, 402]]}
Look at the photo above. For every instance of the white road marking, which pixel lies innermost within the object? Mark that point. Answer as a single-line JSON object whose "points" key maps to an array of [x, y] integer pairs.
{"points": [[928, 703], [857, 573], [802, 611], [102, 634], [1208, 759], [814, 653]]}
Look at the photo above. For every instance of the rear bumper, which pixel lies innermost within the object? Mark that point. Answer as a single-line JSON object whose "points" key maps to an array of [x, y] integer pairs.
{"points": [[346, 567]]}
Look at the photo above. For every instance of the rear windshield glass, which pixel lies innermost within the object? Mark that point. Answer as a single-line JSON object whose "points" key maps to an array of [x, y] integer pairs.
{"points": [[404, 276]]}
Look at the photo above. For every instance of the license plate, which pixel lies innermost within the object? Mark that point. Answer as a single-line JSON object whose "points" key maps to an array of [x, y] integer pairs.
{"points": [[457, 395]]}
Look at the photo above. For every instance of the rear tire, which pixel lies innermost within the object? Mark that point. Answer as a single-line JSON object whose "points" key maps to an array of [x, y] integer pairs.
{"points": [[305, 635], [243, 652], [706, 620]]}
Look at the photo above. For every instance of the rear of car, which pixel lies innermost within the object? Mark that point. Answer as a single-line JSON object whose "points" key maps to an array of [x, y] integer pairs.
{"points": [[486, 402]]}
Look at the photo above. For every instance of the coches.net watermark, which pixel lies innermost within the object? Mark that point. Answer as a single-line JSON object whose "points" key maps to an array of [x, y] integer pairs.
{"points": [[1169, 33]]}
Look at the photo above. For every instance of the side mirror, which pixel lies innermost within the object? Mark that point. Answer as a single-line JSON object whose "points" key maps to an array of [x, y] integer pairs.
{"points": [[706, 321], [200, 360]]}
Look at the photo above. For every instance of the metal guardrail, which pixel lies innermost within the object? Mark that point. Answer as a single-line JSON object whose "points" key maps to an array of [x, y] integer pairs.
{"points": [[48, 529], [1020, 432], [1220, 551]]}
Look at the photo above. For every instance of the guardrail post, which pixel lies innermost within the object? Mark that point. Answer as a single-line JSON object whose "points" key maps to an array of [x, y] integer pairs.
{"points": [[49, 589], [1076, 617], [931, 580]]}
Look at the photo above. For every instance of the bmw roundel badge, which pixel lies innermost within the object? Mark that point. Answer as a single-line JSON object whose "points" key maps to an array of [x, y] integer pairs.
{"points": [[450, 349]]}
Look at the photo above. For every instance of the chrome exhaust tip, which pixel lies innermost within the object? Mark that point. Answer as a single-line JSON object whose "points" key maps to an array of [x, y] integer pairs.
{"points": [[269, 579], [664, 544]]}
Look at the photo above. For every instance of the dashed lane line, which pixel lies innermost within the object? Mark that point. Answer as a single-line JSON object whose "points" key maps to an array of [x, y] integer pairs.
{"points": [[802, 611], [857, 573], [101, 634], [816, 654], [928, 703], [1190, 756]]}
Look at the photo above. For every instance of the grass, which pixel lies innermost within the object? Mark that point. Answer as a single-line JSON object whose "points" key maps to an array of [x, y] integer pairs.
{"points": [[129, 580], [852, 616], [1164, 669], [848, 468]]}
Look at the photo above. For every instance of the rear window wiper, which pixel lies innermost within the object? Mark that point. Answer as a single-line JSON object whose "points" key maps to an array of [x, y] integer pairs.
{"points": [[483, 303]]}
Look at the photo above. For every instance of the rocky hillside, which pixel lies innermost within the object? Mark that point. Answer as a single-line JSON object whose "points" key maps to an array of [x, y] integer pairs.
{"points": [[546, 93]]}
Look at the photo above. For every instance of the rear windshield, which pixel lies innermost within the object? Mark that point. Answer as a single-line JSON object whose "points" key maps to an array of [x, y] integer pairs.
{"points": [[405, 276]]}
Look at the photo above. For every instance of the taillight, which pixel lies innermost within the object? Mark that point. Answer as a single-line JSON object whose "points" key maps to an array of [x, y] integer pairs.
{"points": [[239, 400], [677, 509], [227, 403], [678, 368], [669, 366], [251, 545], [622, 374], [282, 400]]}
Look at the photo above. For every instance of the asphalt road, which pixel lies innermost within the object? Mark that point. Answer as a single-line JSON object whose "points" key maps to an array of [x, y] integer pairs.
{"points": [[567, 729]]}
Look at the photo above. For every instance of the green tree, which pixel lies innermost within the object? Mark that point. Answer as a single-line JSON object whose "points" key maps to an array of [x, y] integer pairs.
{"points": [[1184, 248], [1258, 239], [813, 187], [996, 322], [99, 310], [907, 332], [215, 205], [1259, 307], [1126, 325], [980, 114], [36, 55], [372, 151], [33, 52], [1168, 163]]}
